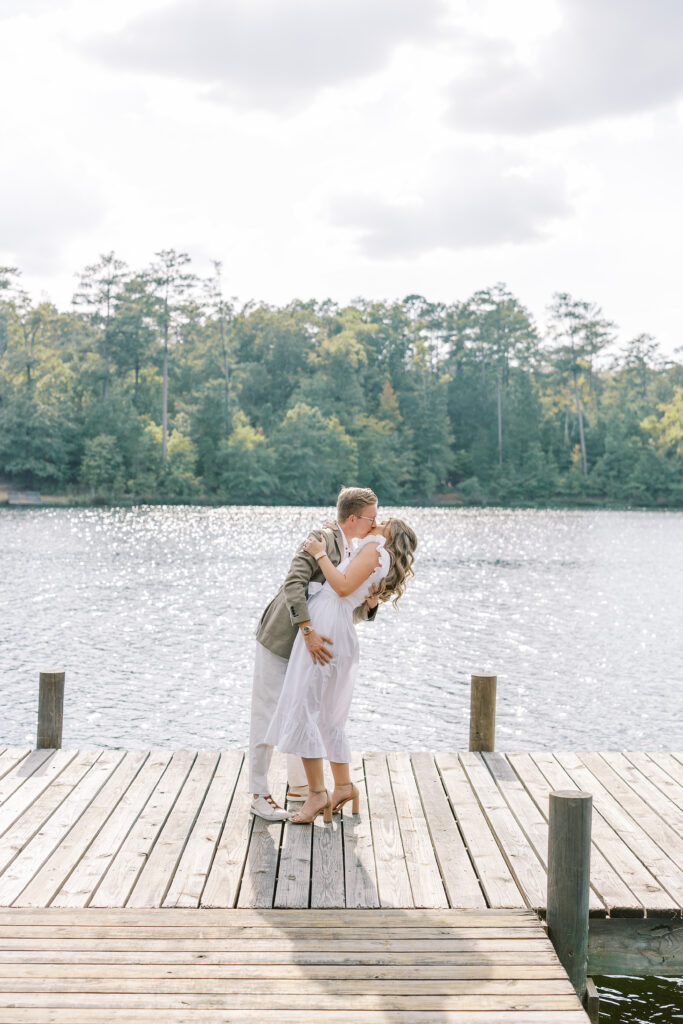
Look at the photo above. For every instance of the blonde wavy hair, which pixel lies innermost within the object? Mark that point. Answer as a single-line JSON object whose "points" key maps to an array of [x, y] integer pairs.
{"points": [[400, 542]]}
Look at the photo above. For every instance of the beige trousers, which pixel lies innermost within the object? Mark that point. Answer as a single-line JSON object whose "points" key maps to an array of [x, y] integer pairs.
{"points": [[269, 674]]}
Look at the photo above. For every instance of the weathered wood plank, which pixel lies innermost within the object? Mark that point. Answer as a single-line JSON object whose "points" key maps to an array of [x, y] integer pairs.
{"points": [[636, 947], [654, 768], [293, 884], [532, 822], [512, 958], [423, 870], [625, 863], [327, 864], [496, 880], [52, 1015], [291, 935], [300, 987], [526, 869], [80, 885], [360, 872], [126, 865], [294, 974], [608, 889], [225, 875], [49, 879], [608, 803], [23, 770], [281, 942], [21, 788], [657, 816], [79, 796], [155, 878], [194, 865], [283, 919], [458, 875], [10, 759], [264, 1003], [674, 765], [260, 868], [392, 874], [28, 824]]}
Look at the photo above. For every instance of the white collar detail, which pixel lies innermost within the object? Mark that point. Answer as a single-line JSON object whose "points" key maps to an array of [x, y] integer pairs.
{"points": [[347, 546]]}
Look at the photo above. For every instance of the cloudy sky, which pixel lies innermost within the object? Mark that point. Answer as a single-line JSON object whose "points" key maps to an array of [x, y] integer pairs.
{"points": [[338, 148]]}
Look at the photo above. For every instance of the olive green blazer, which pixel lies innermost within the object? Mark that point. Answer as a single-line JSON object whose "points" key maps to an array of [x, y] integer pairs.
{"points": [[278, 625]]}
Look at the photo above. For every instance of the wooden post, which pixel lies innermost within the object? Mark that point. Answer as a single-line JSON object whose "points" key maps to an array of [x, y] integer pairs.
{"points": [[592, 1001], [50, 710], [569, 852], [483, 713]]}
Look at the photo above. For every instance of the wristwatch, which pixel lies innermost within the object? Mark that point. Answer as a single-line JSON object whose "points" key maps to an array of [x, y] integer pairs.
{"points": [[306, 630]]}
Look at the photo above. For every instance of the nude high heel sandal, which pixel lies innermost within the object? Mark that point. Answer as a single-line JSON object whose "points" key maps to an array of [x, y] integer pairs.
{"points": [[326, 810], [353, 795]]}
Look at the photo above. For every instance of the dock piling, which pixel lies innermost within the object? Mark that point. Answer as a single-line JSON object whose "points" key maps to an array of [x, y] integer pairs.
{"points": [[483, 713], [50, 710], [569, 843]]}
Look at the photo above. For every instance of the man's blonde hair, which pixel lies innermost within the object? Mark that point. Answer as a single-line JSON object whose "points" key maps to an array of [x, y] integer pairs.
{"points": [[352, 501]]}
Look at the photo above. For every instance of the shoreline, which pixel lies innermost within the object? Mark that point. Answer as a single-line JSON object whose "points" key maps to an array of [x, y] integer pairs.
{"points": [[551, 505]]}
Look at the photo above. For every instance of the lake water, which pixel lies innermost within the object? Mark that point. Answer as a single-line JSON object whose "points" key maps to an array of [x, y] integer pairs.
{"points": [[151, 612]]}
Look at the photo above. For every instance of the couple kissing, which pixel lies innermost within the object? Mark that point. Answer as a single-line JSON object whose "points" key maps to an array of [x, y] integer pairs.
{"points": [[306, 658]]}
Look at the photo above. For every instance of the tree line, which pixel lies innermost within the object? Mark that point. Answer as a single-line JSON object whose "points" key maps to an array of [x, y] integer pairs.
{"points": [[154, 386]]}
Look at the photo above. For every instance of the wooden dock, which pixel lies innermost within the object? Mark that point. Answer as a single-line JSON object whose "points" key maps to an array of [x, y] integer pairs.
{"points": [[160, 828], [303, 966], [137, 880]]}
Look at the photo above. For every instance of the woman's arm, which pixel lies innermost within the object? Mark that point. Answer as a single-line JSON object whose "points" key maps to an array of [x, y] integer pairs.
{"points": [[360, 568]]}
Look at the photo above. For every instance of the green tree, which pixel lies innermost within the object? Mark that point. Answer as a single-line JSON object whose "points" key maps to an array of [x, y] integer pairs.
{"points": [[337, 363], [171, 283], [314, 456], [222, 313], [246, 464], [570, 321], [425, 413], [34, 441], [102, 466], [133, 329], [501, 334], [384, 462], [100, 284], [615, 467], [666, 430]]}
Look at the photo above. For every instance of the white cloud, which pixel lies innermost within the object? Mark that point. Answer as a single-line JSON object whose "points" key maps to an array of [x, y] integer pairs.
{"points": [[608, 57], [269, 53], [477, 199], [12, 8], [45, 204]]}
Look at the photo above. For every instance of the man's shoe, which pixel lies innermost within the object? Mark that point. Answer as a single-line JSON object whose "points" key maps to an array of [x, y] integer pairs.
{"points": [[266, 808], [298, 793]]}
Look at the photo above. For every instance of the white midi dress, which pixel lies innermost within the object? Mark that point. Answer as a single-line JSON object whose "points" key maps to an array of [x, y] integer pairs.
{"points": [[314, 703]]}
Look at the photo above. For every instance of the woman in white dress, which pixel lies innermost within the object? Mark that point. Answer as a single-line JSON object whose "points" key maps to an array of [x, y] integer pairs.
{"points": [[314, 702]]}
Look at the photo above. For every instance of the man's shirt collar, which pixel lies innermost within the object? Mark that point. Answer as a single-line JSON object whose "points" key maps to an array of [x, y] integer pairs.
{"points": [[347, 545]]}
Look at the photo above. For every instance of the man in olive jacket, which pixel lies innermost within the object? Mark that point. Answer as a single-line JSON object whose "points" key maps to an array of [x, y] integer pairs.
{"points": [[276, 632]]}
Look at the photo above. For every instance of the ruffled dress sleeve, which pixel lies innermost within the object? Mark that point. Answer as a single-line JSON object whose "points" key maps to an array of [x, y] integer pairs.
{"points": [[377, 574]]}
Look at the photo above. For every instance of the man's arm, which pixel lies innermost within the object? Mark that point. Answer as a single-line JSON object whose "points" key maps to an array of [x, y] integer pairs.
{"points": [[301, 571], [367, 611]]}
